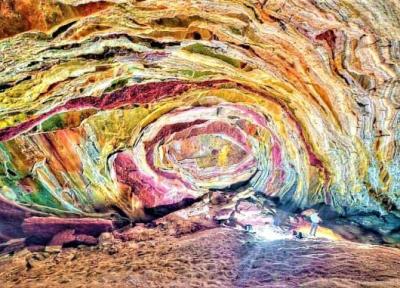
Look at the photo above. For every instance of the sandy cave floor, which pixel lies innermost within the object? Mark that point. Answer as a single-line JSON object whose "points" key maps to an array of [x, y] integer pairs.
{"points": [[217, 257]]}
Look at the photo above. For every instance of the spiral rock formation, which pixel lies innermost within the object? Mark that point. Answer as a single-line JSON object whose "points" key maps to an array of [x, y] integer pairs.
{"points": [[131, 105]]}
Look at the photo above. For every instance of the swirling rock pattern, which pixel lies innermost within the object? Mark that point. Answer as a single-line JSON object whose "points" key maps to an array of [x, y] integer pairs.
{"points": [[133, 105]]}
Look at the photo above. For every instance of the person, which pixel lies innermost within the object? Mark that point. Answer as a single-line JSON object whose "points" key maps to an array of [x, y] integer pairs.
{"points": [[297, 235], [315, 220], [248, 228]]}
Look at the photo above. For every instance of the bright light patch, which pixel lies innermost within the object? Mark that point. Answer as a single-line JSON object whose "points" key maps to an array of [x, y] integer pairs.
{"points": [[322, 232], [270, 233]]}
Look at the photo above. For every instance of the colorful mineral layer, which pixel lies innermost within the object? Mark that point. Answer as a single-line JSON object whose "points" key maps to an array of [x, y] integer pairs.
{"points": [[116, 113]]}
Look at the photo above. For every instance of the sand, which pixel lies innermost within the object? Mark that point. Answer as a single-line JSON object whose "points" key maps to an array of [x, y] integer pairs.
{"points": [[218, 257]]}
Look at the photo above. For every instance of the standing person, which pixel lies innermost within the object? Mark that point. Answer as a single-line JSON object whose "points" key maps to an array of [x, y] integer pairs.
{"points": [[315, 220]]}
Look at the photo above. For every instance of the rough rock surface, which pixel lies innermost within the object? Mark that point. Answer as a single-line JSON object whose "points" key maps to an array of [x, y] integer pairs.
{"points": [[173, 117], [47, 227], [211, 258], [311, 88], [128, 110]]}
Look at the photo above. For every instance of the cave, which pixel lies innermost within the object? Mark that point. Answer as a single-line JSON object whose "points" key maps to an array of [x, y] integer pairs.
{"points": [[209, 143]]}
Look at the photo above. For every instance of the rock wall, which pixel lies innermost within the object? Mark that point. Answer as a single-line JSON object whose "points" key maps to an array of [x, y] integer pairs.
{"points": [[131, 105]]}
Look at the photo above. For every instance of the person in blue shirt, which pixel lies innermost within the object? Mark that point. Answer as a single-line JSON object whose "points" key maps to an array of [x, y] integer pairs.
{"points": [[315, 220]]}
